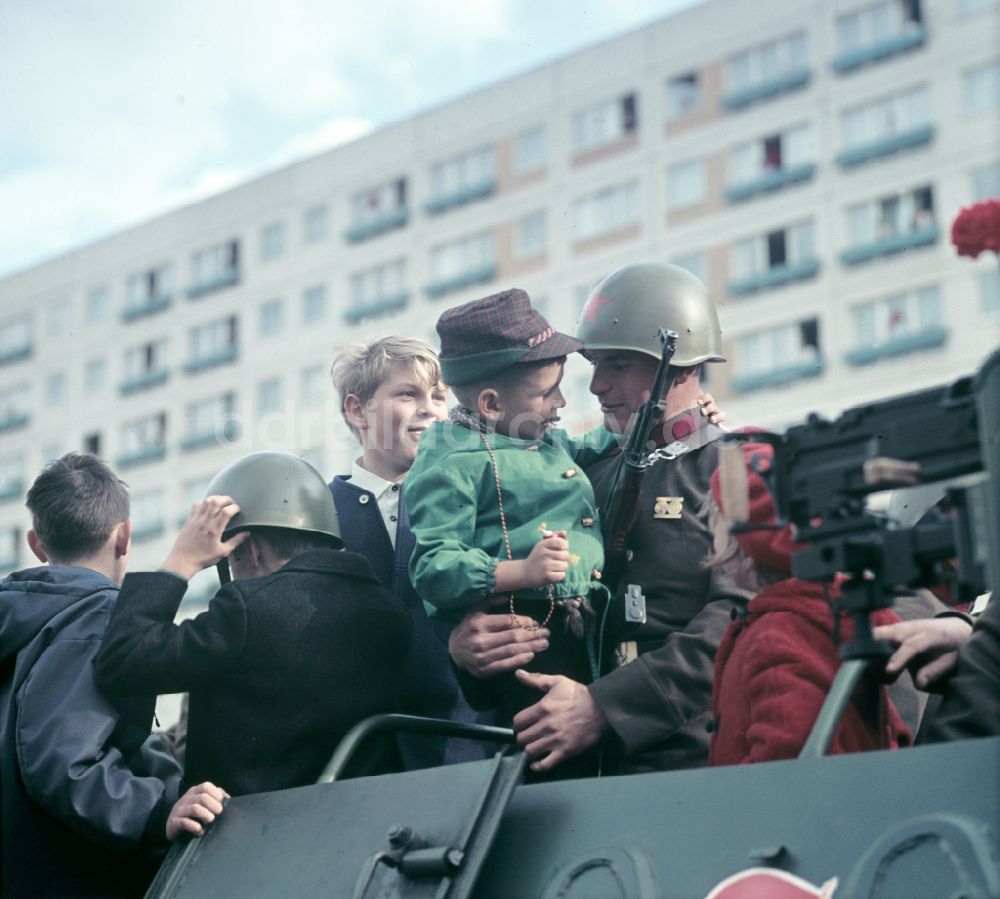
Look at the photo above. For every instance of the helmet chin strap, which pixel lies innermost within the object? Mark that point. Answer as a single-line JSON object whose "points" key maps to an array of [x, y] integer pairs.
{"points": [[222, 566]]}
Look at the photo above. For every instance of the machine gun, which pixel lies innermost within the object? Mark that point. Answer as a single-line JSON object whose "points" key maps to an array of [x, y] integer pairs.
{"points": [[623, 498], [825, 471]]}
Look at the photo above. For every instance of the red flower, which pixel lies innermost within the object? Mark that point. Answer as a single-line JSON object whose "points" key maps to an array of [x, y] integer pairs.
{"points": [[977, 228]]}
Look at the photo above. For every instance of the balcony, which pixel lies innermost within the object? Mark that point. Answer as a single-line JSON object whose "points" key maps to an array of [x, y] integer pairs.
{"points": [[12, 490], [8, 357], [926, 339], [224, 279], [217, 436], [457, 282], [887, 146], [775, 277], [142, 456], [765, 90], [378, 307], [777, 376], [148, 531], [920, 237], [388, 221], [222, 356], [771, 181], [460, 197], [148, 306], [145, 381], [11, 421], [899, 43]]}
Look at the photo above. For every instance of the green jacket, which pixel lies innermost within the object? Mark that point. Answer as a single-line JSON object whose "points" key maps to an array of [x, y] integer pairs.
{"points": [[451, 496]]}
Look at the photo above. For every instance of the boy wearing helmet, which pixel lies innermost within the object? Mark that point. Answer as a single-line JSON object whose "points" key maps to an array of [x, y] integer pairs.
{"points": [[299, 647]]}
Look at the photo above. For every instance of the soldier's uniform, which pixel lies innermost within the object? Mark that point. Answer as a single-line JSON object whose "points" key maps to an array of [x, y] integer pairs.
{"points": [[658, 700]]}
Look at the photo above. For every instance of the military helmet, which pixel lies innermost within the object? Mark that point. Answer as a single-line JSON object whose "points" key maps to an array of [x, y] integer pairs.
{"points": [[627, 309], [277, 490]]}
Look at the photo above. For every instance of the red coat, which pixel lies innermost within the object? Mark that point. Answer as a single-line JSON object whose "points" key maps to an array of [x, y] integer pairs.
{"points": [[772, 673]]}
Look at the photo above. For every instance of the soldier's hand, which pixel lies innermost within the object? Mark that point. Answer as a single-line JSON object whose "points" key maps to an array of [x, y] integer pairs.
{"points": [[563, 723], [709, 409], [486, 645], [199, 806], [199, 543], [927, 646], [548, 560]]}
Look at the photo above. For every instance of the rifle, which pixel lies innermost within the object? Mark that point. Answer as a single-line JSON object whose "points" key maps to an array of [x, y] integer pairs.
{"points": [[622, 504]]}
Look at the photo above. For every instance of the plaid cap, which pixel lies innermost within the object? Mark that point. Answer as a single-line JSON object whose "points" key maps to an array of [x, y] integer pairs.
{"points": [[481, 338]]}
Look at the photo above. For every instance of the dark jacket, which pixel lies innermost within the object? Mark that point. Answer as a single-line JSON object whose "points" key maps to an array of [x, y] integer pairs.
{"points": [[660, 705], [430, 688], [279, 667], [84, 790], [773, 671], [971, 704]]}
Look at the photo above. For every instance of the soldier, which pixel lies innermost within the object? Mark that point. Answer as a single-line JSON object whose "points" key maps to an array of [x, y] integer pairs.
{"points": [[652, 705], [302, 645]]}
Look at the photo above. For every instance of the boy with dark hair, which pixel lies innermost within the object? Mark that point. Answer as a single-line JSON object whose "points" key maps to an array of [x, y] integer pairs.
{"points": [[497, 501], [391, 392], [297, 649], [87, 795]]}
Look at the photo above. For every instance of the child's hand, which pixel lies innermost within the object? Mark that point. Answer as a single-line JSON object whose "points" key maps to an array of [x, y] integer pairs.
{"points": [[549, 559], [199, 543], [710, 409], [199, 806]]}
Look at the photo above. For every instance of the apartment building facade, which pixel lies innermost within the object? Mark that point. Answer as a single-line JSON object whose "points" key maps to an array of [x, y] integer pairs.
{"points": [[805, 159]]}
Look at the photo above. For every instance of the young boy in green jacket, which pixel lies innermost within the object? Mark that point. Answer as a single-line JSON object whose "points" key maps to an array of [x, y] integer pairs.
{"points": [[498, 500]]}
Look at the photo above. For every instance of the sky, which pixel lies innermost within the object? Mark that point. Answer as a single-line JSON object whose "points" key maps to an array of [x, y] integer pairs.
{"points": [[115, 111]]}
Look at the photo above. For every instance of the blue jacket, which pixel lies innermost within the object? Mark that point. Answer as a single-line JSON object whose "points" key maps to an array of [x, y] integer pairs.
{"points": [[84, 790], [430, 687]]}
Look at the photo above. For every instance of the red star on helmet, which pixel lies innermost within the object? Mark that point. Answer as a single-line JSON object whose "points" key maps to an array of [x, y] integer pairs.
{"points": [[593, 304]]}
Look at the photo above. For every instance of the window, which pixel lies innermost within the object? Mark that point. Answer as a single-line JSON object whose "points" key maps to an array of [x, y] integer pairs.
{"points": [[59, 318], [604, 123], [985, 185], [96, 308], [767, 63], [873, 25], [55, 388], [212, 343], [529, 151], [775, 250], [989, 292], [92, 443], [981, 89], [376, 286], [529, 235], [314, 304], [210, 420], [781, 151], [216, 266], [696, 263], [469, 172], [891, 216], [194, 490], [15, 404], [686, 184], [272, 240], [11, 476], [369, 207], [462, 257], [314, 224], [144, 437], [149, 288], [147, 514], [313, 384], [899, 316], [886, 117], [15, 340], [10, 544], [269, 396], [606, 211], [94, 375], [788, 347], [145, 359], [683, 96], [271, 318]]}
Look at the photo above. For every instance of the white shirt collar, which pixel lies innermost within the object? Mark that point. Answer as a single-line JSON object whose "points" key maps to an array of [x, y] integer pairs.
{"points": [[366, 480]]}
